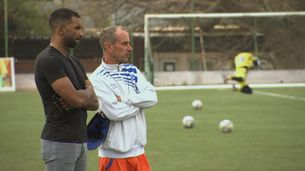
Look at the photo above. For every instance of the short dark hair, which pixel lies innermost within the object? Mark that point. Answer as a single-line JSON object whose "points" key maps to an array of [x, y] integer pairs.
{"points": [[61, 16], [108, 34]]}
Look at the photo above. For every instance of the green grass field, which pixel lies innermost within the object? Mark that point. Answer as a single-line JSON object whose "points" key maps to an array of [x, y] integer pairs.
{"points": [[269, 132]]}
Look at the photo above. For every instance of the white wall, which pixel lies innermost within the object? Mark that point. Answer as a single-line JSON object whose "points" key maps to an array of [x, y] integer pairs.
{"points": [[26, 81], [215, 77]]}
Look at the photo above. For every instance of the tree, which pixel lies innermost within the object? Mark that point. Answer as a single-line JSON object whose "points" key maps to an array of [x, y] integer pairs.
{"points": [[131, 13], [24, 19]]}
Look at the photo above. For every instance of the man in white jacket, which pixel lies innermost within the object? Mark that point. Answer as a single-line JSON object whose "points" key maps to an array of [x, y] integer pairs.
{"points": [[123, 93]]}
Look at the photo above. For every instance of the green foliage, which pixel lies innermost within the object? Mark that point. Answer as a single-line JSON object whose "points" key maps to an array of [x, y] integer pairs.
{"points": [[25, 18], [268, 131]]}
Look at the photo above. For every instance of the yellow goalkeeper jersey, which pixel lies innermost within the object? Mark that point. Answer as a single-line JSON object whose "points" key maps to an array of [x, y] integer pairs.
{"points": [[244, 59]]}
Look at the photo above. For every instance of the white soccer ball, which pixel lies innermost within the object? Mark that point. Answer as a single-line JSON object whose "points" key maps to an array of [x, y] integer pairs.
{"points": [[197, 104], [188, 121], [226, 126]]}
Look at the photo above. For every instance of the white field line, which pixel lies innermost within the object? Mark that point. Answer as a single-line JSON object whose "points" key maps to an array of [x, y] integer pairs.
{"points": [[226, 86], [279, 95]]}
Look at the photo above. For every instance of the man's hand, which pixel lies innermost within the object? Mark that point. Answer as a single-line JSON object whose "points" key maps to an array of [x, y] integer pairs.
{"points": [[60, 104], [102, 114], [118, 98], [76, 98]]}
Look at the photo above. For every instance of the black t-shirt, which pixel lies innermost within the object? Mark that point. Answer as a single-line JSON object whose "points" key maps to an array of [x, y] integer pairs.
{"points": [[61, 126]]}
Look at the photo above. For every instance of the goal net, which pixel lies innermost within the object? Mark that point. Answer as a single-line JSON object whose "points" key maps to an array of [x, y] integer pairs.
{"points": [[207, 42]]}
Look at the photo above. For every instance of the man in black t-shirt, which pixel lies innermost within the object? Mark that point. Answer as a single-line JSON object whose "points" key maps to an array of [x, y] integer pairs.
{"points": [[66, 95]]}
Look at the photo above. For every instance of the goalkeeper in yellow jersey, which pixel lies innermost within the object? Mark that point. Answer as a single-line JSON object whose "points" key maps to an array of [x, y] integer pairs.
{"points": [[243, 62]]}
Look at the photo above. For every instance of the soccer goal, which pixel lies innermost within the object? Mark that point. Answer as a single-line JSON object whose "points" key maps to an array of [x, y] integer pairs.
{"points": [[209, 42]]}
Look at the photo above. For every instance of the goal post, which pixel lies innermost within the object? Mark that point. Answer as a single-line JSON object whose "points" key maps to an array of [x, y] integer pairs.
{"points": [[148, 33]]}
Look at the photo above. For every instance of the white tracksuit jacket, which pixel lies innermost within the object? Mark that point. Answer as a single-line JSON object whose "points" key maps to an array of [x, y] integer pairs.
{"points": [[127, 132]]}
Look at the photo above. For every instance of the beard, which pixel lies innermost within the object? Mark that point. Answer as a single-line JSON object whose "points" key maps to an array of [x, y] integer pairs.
{"points": [[70, 42]]}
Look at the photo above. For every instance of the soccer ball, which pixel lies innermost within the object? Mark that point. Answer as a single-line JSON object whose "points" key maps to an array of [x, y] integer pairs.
{"points": [[226, 126], [196, 104], [188, 121]]}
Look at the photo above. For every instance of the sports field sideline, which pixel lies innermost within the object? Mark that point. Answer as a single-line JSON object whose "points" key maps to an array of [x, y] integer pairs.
{"points": [[268, 130]]}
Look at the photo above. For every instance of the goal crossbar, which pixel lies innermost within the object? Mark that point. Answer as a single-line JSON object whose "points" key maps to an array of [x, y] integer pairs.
{"points": [[224, 15]]}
